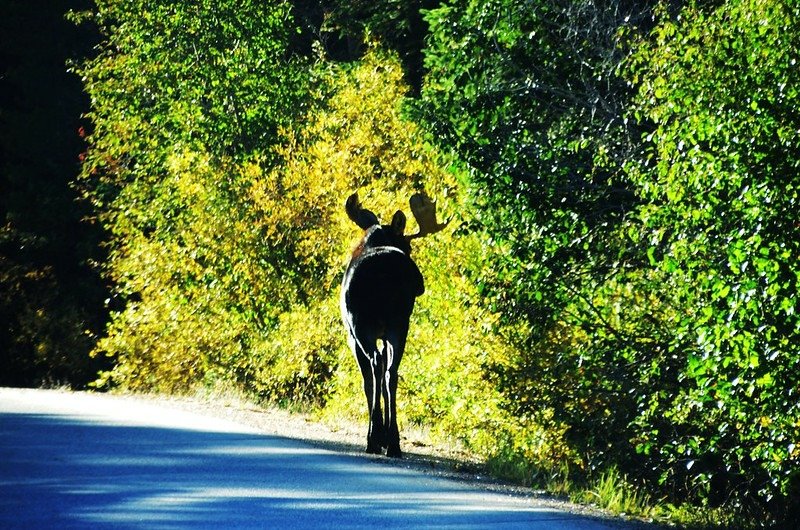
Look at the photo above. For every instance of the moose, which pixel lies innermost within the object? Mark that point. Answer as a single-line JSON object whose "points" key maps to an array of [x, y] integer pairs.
{"points": [[379, 288]]}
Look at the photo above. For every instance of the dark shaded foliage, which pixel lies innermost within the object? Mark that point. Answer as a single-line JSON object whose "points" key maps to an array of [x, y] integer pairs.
{"points": [[51, 299]]}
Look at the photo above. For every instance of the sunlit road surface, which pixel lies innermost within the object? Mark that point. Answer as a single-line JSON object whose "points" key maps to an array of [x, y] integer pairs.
{"points": [[73, 460]]}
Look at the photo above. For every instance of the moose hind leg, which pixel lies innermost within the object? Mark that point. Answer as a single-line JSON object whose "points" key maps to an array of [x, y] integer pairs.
{"points": [[392, 431], [393, 355], [387, 393], [367, 357]]}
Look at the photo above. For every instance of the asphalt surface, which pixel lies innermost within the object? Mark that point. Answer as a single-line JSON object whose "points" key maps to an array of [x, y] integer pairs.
{"points": [[77, 460]]}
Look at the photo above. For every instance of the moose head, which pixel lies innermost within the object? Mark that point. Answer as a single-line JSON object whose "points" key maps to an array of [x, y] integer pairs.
{"points": [[379, 288]]}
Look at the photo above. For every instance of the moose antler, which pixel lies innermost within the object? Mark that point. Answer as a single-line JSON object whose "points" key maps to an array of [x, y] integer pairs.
{"points": [[360, 216], [424, 210]]}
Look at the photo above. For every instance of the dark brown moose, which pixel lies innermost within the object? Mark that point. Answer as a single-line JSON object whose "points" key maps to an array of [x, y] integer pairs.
{"points": [[379, 288]]}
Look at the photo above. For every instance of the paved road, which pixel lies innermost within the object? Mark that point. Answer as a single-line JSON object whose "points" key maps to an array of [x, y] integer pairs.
{"points": [[74, 460]]}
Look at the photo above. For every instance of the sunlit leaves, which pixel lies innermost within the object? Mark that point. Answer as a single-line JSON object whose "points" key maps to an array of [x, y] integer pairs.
{"points": [[359, 140]]}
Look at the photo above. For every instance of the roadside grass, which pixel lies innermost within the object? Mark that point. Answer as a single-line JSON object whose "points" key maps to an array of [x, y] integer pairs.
{"points": [[612, 491]]}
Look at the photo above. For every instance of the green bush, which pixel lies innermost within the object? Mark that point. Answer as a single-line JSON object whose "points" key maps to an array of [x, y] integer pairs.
{"points": [[638, 188], [721, 185]]}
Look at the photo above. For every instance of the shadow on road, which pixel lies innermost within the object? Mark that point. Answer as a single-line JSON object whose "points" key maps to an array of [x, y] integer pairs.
{"points": [[62, 472]]}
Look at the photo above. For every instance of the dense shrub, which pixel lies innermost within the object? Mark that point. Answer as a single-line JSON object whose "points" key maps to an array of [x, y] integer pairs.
{"points": [[721, 185], [533, 102], [644, 238], [360, 140]]}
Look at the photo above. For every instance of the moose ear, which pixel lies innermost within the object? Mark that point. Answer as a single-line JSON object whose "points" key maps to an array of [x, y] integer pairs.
{"points": [[399, 223]]}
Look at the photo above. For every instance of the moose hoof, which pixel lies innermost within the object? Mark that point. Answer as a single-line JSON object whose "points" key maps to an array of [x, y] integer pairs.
{"points": [[394, 452], [374, 450]]}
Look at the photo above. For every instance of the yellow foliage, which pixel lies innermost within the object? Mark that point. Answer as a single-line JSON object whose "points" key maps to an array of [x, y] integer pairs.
{"points": [[201, 287], [240, 280], [359, 141], [297, 360]]}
